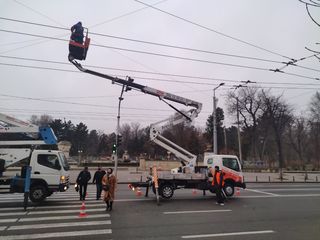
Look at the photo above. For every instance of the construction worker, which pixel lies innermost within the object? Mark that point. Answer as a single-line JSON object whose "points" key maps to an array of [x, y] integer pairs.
{"points": [[218, 184], [97, 179], [77, 33], [109, 186], [82, 181]]}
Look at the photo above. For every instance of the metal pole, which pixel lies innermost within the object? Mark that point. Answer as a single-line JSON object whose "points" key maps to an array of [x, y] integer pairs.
{"points": [[239, 138], [214, 118], [225, 139], [117, 133], [214, 144]]}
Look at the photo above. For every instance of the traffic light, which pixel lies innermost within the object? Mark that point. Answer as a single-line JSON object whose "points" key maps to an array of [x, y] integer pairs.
{"points": [[114, 149], [119, 140], [130, 80]]}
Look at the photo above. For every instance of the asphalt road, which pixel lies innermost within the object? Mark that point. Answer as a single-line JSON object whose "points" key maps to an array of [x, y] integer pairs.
{"points": [[263, 211]]}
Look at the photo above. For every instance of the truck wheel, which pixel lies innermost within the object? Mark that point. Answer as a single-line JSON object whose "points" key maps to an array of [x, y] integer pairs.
{"points": [[166, 191], [38, 193], [229, 189]]}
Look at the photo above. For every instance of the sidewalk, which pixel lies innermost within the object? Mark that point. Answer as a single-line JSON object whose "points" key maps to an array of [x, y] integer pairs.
{"points": [[132, 174]]}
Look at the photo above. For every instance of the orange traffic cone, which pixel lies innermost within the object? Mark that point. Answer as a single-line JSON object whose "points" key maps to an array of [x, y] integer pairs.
{"points": [[237, 191], [194, 192], [83, 210], [138, 193]]}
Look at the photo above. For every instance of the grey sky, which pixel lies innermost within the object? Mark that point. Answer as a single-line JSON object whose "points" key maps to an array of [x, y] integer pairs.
{"points": [[280, 26]]}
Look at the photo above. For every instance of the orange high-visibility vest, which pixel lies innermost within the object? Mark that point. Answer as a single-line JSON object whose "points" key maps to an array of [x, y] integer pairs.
{"points": [[218, 179]]}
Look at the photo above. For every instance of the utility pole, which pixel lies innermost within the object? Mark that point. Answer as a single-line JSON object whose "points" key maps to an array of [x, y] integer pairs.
{"points": [[117, 133], [239, 138], [214, 118], [225, 139]]}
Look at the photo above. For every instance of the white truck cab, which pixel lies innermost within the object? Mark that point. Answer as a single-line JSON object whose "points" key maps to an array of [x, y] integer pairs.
{"points": [[230, 166], [25, 145]]}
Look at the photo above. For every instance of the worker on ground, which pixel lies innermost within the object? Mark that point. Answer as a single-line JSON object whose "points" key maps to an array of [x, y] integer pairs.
{"points": [[77, 33], [97, 179], [82, 181], [218, 184], [109, 186]]}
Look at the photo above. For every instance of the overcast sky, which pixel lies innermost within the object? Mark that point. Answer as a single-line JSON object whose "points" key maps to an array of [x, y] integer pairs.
{"points": [[279, 26]]}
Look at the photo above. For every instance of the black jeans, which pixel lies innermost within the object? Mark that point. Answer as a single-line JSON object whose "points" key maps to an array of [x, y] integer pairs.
{"points": [[83, 191], [99, 190], [220, 197]]}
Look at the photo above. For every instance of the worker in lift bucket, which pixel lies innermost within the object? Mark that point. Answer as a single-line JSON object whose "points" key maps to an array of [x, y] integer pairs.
{"points": [[77, 33], [218, 184]]}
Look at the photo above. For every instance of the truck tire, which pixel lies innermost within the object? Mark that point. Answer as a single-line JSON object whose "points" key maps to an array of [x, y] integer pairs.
{"points": [[38, 193], [229, 189], [166, 191]]}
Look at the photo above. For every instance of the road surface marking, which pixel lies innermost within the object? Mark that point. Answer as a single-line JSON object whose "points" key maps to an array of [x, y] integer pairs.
{"points": [[227, 234], [199, 211], [36, 219], [258, 191], [14, 208], [8, 220], [65, 211], [284, 195], [3, 228], [57, 234], [13, 214], [55, 225], [293, 189]]}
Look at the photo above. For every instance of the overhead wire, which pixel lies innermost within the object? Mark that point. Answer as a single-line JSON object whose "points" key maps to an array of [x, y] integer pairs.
{"points": [[144, 72], [171, 56], [292, 61], [213, 30]]}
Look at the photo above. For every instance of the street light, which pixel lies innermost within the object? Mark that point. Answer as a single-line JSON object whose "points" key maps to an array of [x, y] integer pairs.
{"points": [[214, 117]]}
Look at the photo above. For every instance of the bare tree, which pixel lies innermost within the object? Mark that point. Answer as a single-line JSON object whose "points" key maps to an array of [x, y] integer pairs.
{"points": [[315, 126], [298, 136], [42, 121], [279, 115], [248, 102]]}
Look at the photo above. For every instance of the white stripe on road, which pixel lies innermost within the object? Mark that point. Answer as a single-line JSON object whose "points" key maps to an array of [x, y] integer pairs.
{"points": [[293, 189], [9, 220], [57, 234], [263, 192], [55, 225], [36, 219], [280, 196], [88, 204], [199, 211], [14, 208], [13, 214], [49, 212], [65, 211], [2, 228], [227, 234]]}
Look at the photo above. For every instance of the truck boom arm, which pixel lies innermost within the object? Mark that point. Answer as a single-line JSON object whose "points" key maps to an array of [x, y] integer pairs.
{"points": [[156, 128], [34, 135]]}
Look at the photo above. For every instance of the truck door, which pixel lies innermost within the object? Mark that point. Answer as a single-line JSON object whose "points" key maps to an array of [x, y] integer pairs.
{"points": [[232, 168], [46, 166]]}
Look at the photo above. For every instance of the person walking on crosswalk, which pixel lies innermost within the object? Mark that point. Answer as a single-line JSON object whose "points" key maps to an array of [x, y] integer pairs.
{"points": [[82, 181], [97, 179], [109, 186]]}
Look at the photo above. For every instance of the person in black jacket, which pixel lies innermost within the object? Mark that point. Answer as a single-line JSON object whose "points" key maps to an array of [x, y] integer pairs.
{"points": [[82, 181], [97, 179], [77, 33]]}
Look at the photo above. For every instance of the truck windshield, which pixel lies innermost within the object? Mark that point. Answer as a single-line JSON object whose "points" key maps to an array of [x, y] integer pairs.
{"points": [[64, 161], [231, 163]]}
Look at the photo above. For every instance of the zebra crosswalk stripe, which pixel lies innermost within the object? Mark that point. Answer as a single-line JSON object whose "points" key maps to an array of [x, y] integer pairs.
{"points": [[57, 234], [55, 225]]}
